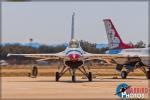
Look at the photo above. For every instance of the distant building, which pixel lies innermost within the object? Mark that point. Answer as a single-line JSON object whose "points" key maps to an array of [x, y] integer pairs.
{"points": [[32, 44], [101, 45]]}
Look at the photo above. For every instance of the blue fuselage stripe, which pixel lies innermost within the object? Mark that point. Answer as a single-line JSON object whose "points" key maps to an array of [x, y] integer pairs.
{"points": [[73, 51], [114, 51]]}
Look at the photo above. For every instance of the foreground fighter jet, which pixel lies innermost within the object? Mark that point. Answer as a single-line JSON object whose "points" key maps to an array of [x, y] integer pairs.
{"points": [[73, 58]]}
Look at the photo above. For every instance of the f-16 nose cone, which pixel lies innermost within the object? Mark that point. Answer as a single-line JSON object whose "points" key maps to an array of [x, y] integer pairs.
{"points": [[74, 56]]}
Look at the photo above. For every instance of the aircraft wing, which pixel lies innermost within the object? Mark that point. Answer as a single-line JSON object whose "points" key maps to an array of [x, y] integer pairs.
{"points": [[41, 57], [116, 58], [101, 56], [108, 58]]}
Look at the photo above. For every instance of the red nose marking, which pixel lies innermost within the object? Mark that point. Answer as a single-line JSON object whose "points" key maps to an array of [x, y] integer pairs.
{"points": [[74, 56]]}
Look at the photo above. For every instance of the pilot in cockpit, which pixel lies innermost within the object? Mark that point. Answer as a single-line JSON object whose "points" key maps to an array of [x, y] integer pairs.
{"points": [[74, 43]]}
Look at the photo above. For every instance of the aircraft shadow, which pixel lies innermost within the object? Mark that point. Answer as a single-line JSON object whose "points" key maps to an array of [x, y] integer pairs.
{"points": [[86, 81]]}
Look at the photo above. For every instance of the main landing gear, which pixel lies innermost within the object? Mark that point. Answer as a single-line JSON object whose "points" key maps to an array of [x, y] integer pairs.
{"points": [[124, 74], [72, 71], [131, 68], [90, 76], [148, 74], [87, 74], [143, 69], [58, 75]]}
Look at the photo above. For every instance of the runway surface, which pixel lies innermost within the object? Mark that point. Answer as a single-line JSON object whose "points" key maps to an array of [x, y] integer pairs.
{"points": [[47, 88]]}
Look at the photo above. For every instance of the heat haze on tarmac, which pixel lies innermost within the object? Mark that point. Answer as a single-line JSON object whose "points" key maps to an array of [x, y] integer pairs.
{"points": [[47, 88]]}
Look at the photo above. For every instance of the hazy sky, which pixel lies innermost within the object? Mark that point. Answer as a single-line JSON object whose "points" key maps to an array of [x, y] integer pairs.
{"points": [[50, 22]]}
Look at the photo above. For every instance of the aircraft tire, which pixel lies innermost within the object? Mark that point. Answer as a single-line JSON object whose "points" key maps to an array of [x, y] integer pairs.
{"points": [[90, 76], [124, 74], [73, 78], [35, 71], [57, 76], [148, 74]]}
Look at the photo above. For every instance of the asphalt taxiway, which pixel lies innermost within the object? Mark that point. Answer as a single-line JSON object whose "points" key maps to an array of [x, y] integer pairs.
{"points": [[47, 88]]}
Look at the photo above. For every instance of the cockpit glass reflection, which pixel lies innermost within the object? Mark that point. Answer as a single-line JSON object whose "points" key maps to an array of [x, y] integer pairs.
{"points": [[74, 44]]}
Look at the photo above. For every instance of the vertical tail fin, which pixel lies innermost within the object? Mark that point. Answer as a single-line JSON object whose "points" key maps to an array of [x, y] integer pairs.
{"points": [[114, 40], [72, 26]]}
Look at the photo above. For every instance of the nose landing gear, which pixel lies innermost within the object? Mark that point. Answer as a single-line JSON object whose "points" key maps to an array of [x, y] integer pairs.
{"points": [[73, 75]]}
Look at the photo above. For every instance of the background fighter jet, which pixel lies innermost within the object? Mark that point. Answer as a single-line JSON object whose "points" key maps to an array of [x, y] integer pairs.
{"points": [[73, 58], [129, 58]]}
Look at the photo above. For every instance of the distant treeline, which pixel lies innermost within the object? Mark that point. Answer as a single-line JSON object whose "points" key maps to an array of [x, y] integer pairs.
{"points": [[17, 48], [86, 46]]}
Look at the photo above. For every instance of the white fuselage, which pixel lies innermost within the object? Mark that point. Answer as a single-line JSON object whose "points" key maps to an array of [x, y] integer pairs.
{"points": [[74, 57], [142, 53]]}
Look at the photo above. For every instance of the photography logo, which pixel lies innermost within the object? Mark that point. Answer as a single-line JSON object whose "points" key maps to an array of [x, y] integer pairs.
{"points": [[124, 90]]}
